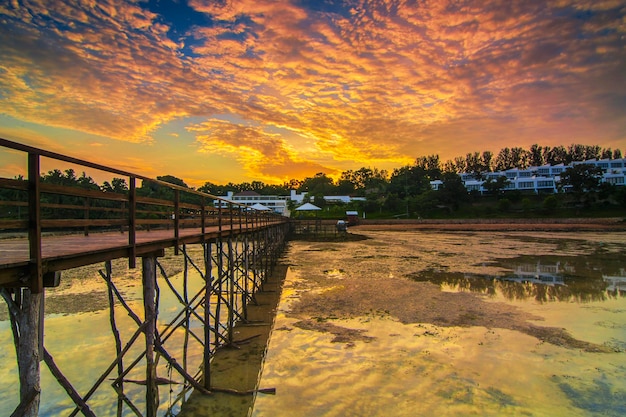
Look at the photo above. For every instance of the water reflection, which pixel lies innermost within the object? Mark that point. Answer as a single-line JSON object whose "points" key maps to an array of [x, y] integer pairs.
{"points": [[424, 350], [542, 278]]}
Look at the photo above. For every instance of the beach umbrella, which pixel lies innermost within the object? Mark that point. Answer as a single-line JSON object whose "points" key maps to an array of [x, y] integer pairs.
{"points": [[308, 207], [260, 207]]}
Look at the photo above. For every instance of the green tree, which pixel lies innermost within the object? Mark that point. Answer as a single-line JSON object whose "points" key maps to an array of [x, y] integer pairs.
{"points": [[319, 184], [512, 158], [582, 178], [272, 189], [487, 160], [496, 186], [452, 192], [117, 185], [409, 181], [345, 186], [431, 166], [474, 165], [557, 155], [362, 181], [536, 155], [584, 181]]}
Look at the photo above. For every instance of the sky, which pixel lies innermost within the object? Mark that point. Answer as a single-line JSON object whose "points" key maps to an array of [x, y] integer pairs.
{"points": [[260, 90]]}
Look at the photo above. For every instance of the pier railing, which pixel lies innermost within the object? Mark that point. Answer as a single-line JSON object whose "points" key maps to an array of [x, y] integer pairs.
{"points": [[36, 205], [56, 225]]}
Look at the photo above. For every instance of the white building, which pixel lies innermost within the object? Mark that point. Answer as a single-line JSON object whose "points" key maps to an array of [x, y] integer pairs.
{"points": [[276, 203], [544, 178]]}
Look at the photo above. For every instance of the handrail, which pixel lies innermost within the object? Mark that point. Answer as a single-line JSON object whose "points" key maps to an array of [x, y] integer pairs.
{"points": [[133, 210], [53, 155]]}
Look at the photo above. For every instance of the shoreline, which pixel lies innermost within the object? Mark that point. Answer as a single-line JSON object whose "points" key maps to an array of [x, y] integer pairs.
{"points": [[545, 224]]}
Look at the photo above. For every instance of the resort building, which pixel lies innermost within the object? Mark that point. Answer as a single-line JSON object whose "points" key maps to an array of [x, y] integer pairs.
{"points": [[276, 203], [542, 179]]}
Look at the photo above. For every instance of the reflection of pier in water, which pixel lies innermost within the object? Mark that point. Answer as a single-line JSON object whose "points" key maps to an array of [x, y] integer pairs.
{"points": [[238, 249]]}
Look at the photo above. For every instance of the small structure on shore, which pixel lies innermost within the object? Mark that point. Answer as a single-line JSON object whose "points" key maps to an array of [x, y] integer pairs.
{"points": [[352, 217]]}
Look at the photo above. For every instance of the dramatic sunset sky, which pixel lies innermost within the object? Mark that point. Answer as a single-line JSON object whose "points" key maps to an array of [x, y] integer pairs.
{"points": [[272, 90]]}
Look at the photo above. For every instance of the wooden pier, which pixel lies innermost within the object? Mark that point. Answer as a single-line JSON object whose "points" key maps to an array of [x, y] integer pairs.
{"points": [[48, 228]]}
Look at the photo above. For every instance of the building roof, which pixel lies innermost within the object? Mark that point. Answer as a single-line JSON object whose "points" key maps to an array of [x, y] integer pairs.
{"points": [[247, 193]]}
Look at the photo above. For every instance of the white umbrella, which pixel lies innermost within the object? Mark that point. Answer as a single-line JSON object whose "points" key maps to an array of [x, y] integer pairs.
{"points": [[260, 207], [308, 207]]}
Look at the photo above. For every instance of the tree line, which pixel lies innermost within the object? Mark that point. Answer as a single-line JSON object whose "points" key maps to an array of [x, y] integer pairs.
{"points": [[415, 178], [391, 192]]}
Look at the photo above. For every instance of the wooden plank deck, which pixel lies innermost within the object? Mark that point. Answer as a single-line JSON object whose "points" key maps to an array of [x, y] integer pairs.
{"points": [[72, 250]]}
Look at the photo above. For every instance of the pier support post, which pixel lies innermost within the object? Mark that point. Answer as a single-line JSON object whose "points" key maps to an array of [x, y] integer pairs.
{"points": [[208, 291], [231, 288], [149, 277], [25, 312]]}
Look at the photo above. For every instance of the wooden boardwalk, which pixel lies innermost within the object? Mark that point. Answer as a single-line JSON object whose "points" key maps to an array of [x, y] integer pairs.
{"points": [[60, 225], [60, 252], [52, 216]]}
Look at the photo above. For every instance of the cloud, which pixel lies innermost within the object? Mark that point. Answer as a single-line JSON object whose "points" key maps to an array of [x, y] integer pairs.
{"points": [[260, 152], [367, 82]]}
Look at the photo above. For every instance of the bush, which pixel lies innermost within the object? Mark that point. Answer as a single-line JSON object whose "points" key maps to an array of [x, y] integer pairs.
{"points": [[550, 203], [527, 205], [504, 205]]}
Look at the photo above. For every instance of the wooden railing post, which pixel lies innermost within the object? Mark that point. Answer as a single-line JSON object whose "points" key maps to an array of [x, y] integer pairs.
{"points": [[203, 217], [132, 222], [219, 217], [86, 230], [34, 223], [242, 213], [176, 219], [230, 216]]}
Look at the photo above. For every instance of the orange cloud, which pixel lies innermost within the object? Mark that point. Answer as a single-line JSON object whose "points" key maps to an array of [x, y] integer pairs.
{"points": [[321, 87], [260, 152]]}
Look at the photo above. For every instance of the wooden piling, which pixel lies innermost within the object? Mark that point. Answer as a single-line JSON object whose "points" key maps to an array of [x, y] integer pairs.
{"points": [[237, 245], [208, 290], [25, 315], [149, 277]]}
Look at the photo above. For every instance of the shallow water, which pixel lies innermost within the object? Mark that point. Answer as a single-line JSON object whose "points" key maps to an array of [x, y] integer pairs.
{"points": [[476, 330], [79, 338], [401, 323]]}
